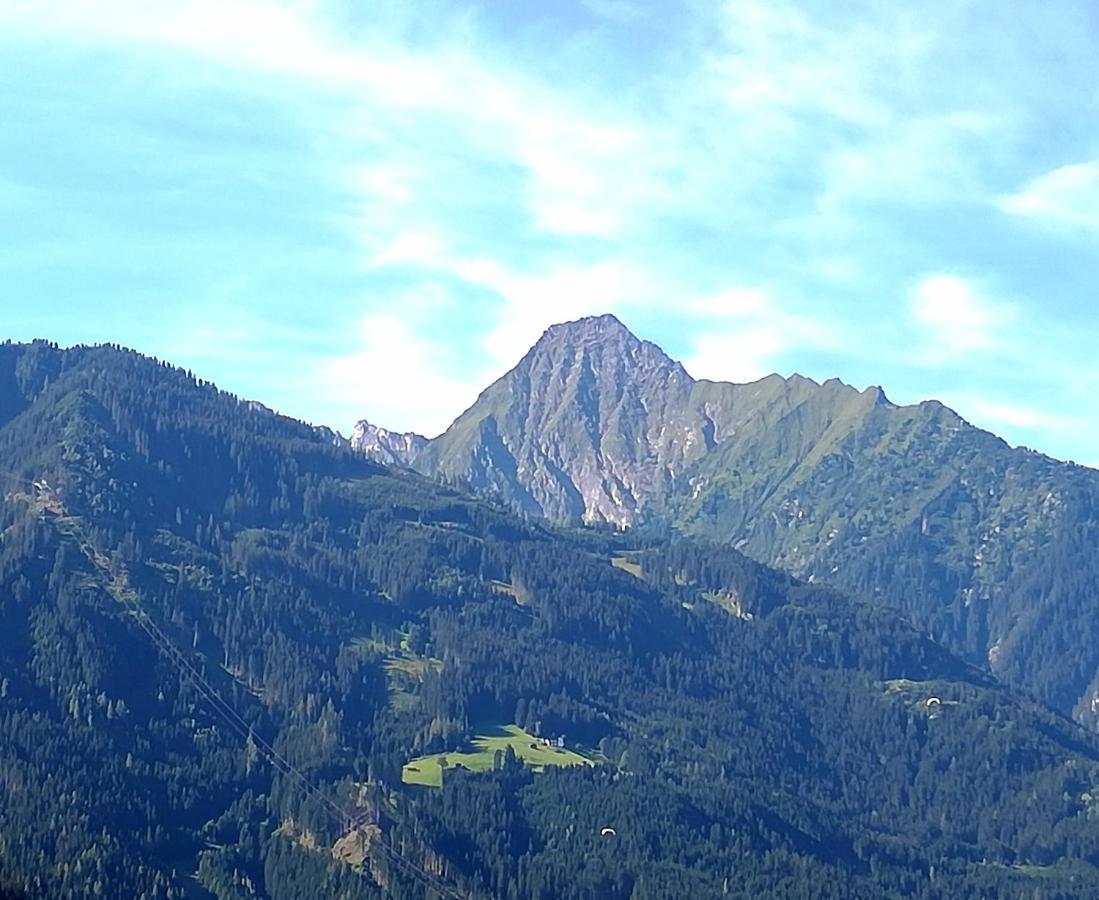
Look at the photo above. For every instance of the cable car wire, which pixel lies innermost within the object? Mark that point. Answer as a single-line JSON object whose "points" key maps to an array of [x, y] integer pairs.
{"points": [[345, 817]]}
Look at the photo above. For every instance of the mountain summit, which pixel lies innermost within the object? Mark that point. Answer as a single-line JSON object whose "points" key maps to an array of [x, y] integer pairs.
{"points": [[596, 425], [911, 504], [577, 431]]}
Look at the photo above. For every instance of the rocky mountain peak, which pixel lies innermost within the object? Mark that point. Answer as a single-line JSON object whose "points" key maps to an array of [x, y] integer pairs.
{"points": [[824, 480], [597, 425], [605, 343], [582, 429], [391, 448], [602, 326], [607, 323]]}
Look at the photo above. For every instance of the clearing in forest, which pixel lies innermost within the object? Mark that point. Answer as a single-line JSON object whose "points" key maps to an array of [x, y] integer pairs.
{"points": [[628, 565], [427, 770]]}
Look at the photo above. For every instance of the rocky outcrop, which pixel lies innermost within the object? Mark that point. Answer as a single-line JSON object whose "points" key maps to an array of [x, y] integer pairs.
{"points": [[391, 448], [595, 425], [990, 548]]}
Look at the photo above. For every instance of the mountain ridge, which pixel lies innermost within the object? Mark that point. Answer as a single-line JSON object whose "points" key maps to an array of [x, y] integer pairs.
{"points": [[604, 494], [911, 504], [393, 448], [756, 736]]}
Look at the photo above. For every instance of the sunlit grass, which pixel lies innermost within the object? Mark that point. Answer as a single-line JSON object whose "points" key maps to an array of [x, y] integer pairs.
{"points": [[428, 770]]}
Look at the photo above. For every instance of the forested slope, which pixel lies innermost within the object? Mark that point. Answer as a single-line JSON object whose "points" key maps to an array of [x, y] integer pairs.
{"points": [[754, 736], [993, 550]]}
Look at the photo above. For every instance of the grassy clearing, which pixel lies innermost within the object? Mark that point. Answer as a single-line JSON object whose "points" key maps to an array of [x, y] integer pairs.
{"points": [[414, 667], [503, 587], [517, 592], [627, 565], [728, 601], [404, 670], [427, 771], [395, 642], [404, 673]]}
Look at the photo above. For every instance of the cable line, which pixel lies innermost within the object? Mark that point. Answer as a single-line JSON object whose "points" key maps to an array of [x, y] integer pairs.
{"points": [[343, 816]]}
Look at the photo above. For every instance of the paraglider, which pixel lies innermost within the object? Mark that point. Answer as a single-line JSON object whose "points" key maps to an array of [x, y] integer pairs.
{"points": [[608, 832]]}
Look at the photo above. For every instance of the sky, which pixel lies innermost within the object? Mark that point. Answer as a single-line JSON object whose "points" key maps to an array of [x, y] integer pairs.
{"points": [[353, 210]]}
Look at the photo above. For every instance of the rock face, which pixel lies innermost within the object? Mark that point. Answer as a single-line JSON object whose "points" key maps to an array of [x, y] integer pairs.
{"points": [[595, 425], [993, 550], [391, 448], [584, 429]]}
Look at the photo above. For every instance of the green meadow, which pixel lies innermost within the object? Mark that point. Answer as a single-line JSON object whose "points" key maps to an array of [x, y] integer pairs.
{"points": [[428, 770]]}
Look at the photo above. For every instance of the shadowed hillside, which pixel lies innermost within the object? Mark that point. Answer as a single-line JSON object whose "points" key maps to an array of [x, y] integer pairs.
{"points": [[223, 637], [993, 551]]}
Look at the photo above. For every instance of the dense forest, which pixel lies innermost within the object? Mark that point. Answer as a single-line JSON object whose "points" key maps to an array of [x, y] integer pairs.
{"points": [[992, 550], [224, 636]]}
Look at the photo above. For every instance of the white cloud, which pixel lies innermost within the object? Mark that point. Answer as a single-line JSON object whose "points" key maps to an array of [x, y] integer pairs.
{"points": [[745, 332], [398, 376], [831, 95], [738, 357], [993, 414], [778, 61], [919, 161], [589, 171], [532, 301], [238, 33], [732, 303], [1068, 195], [545, 197], [740, 332], [1019, 416], [955, 319], [525, 300]]}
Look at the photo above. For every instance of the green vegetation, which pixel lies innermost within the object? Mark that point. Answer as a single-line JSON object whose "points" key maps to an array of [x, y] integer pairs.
{"points": [[728, 601], [405, 673], [990, 549], [627, 565], [352, 617], [428, 770]]}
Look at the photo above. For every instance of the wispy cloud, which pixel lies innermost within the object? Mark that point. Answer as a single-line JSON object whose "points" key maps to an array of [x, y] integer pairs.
{"points": [[398, 373], [1022, 416], [776, 60], [1000, 414], [955, 318], [835, 92], [530, 301], [587, 171], [1068, 195], [745, 332]]}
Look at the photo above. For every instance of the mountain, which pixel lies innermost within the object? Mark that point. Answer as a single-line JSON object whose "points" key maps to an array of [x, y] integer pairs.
{"points": [[993, 550], [595, 425], [591, 426], [392, 448], [234, 656]]}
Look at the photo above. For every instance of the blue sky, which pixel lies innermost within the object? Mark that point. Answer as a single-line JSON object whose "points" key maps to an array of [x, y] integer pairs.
{"points": [[349, 213]]}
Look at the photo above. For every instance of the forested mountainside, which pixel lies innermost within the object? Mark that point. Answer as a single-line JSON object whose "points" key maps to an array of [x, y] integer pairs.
{"points": [[727, 731], [993, 550]]}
